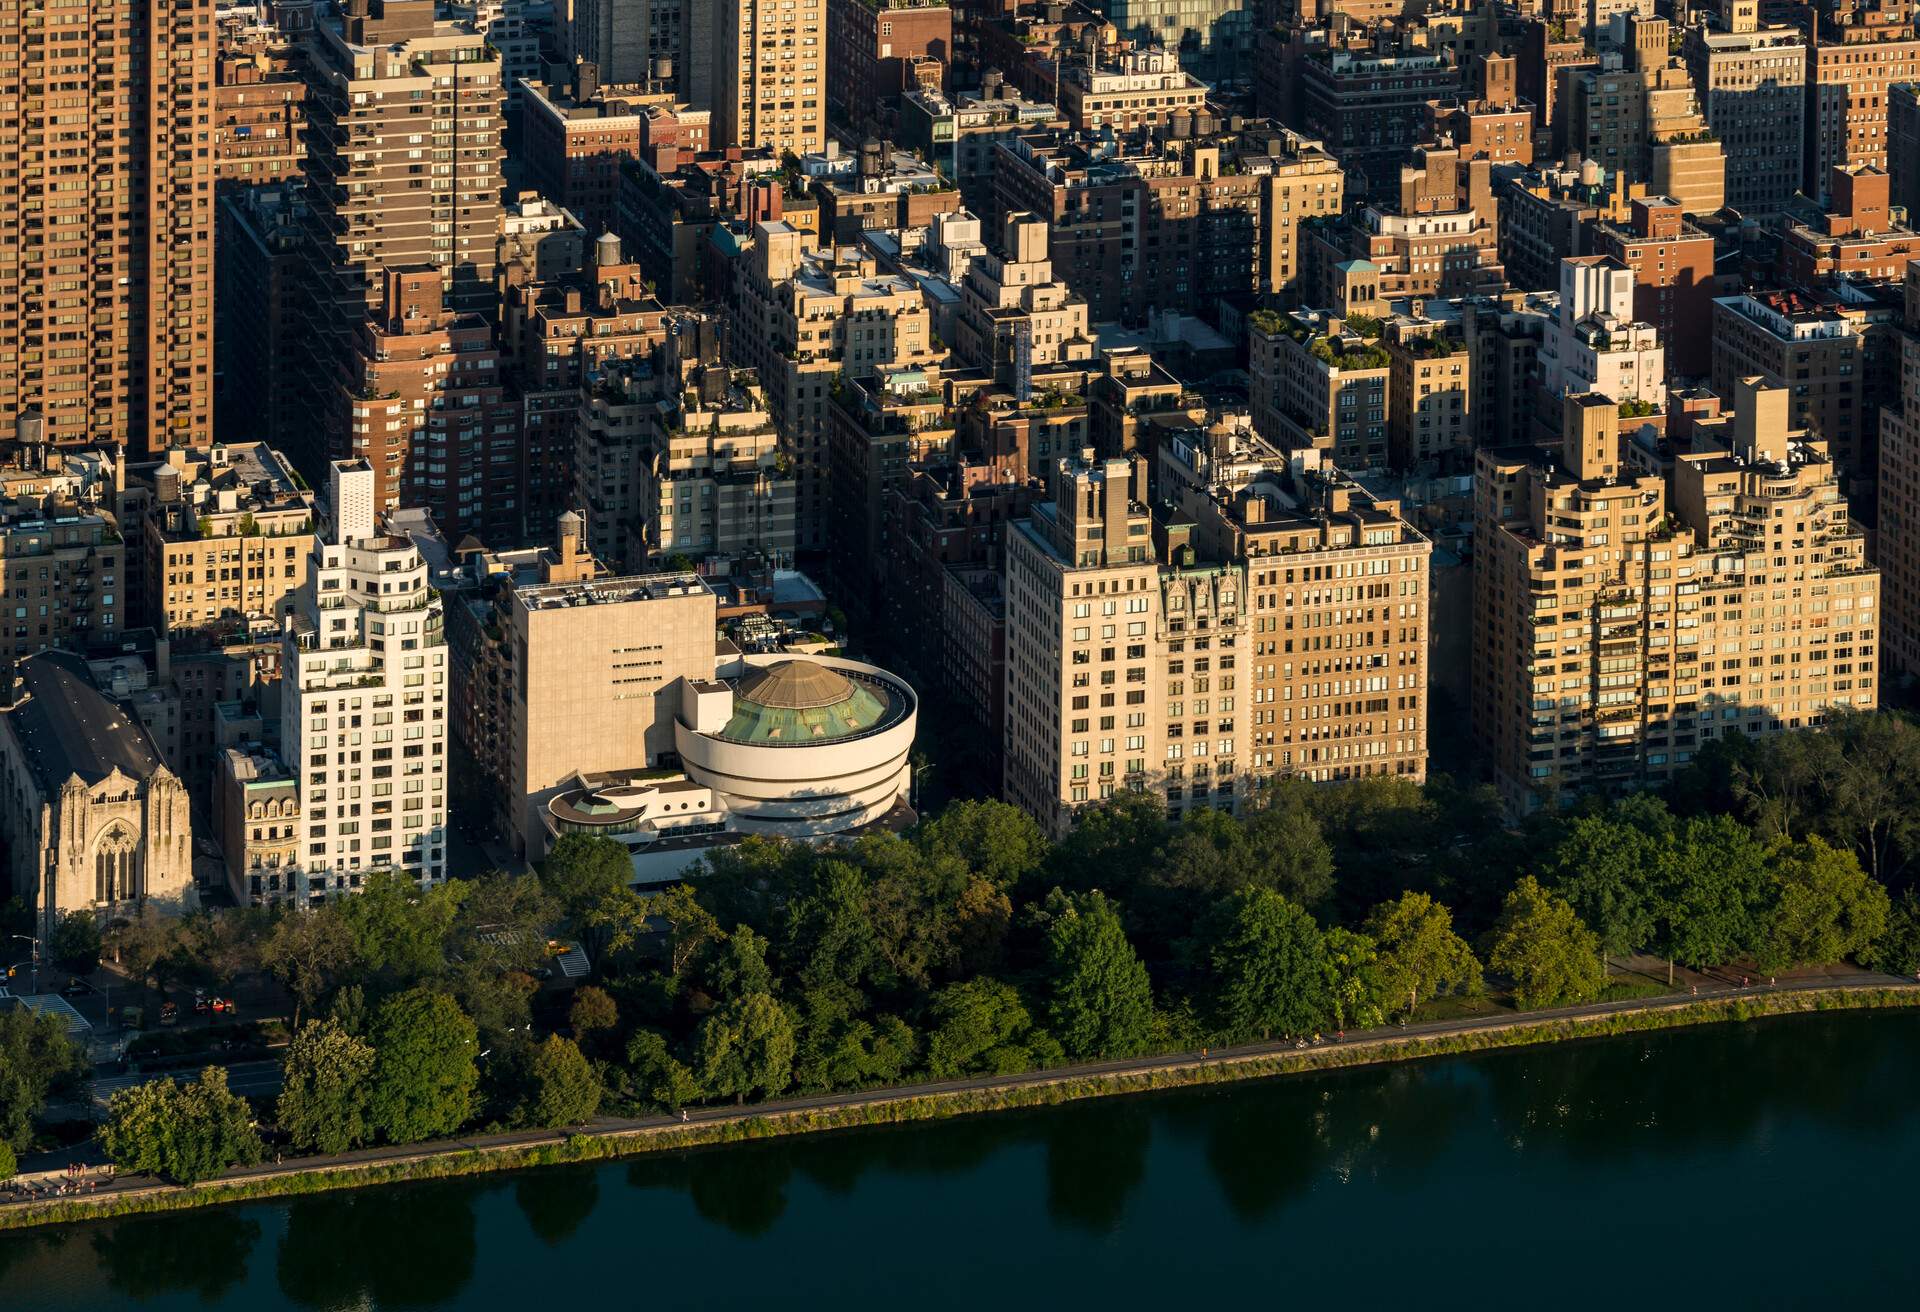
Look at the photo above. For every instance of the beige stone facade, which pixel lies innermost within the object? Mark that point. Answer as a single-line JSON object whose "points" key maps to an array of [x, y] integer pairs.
{"points": [[1624, 619], [93, 820]]}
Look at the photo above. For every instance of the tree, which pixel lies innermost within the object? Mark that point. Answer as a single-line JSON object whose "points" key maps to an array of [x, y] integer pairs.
{"points": [[1715, 894], [999, 842], [1101, 1002], [37, 1061], [564, 1091], [1290, 853], [400, 933], [1354, 984], [738, 966], [1111, 844], [9, 1164], [1266, 966], [326, 1089], [1898, 951], [1604, 865], [424, 1074], [690, 926], [1829, 909], [581, 869], [746, 1047], [830, 936], [1873, 796], [307, 951], [149, 947], [502, 923], [1542, 946], [660, 1077], [182, 1134], [592, 1011], [1419, 954], [74, 945], [980, 1027]]}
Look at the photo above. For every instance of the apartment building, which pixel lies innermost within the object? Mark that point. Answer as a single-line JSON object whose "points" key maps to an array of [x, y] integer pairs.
{"points": [[1897, 538], [259, 101], [1636, 112], [1337, 611], [1367, 98], [809, 316], [1674, 282], [876, 190], [962, 133], [1624, 619], [627, 41], [63, 579], [1438, 238], [1857, 237], [1864, 49], [264, 360], [405, 114], [719, 485], [226, 538], [879, 53], [577, 136], [880, 429], [256, 813], [1014, 314], [1316, 381], [106, 220], [364, 700], [1429, 394], [1816, 353], [1494, 123], [564, 321], [1593, 342], [1547, 214], [1086, 561], [425, 402], [769, 75], [1135, 88], [1752, 82]]}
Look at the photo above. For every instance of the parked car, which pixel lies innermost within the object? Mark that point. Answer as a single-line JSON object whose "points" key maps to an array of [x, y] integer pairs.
{"points": [[169, 1013]]}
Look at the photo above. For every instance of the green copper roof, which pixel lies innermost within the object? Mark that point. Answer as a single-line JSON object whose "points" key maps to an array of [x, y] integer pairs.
{"points": [[860, 706]]}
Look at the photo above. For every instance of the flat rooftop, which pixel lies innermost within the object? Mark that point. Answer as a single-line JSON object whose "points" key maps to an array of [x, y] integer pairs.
{"points": [[607, 592]]}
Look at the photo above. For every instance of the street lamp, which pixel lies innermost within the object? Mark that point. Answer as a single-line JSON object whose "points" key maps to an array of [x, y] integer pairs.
{"points": [[33, 973]]}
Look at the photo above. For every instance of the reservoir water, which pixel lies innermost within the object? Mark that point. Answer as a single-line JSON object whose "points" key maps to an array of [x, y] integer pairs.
{"points": [[1770, 1165]]}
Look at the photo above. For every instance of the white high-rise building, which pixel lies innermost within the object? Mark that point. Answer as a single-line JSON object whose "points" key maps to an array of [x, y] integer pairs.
{"points": [[364, 699]]}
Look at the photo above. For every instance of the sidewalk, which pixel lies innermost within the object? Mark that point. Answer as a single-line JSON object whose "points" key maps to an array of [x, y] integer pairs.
{"points": [[1382, 1041]]}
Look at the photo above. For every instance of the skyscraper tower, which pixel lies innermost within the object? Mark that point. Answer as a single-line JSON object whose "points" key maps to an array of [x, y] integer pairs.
{"points": [[106, 219]]}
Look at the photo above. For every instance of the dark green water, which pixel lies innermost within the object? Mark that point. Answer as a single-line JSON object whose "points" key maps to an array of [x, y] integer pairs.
{"points": [[1738, 1167]]}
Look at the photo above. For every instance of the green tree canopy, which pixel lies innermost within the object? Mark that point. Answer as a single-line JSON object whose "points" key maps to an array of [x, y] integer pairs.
{"points": [[1607, 865], [593, 1010], [564, 1090], [74, 944], [997, 841], [1419, 954], [1266, 967], [1828, 908], [325, 1096], [982, 1027], [1898, 951], [309, 952], [1356, 989], [737, 966], [424, 1073], [583, 869], [1100, 1000], [182, 1134], [658, 1076], [400, 932], [1715, 893], [746, 1048], [1542, 946], [37, 1062]]}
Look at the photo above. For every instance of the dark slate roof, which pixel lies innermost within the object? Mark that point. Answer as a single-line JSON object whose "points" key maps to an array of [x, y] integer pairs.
{"points": [[66, 726]]}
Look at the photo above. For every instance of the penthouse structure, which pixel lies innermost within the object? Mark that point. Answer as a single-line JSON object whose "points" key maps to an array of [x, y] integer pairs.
{"points": [[1856, 238], [1815, 353], [1595, 344], [1136, 88], [1625, 618]]}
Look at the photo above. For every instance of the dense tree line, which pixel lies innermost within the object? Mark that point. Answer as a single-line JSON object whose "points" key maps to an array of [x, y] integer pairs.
{"points": [[974, 945]]}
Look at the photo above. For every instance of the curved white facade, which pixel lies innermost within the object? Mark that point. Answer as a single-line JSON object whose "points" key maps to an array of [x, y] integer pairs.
{"points": [[804, 789]]}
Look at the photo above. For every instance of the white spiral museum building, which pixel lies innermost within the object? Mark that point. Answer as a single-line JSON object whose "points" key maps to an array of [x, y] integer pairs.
{"points": [[799, 747]]}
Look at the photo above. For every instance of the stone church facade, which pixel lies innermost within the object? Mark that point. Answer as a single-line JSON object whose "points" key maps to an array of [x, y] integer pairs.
{"points": [[93, 819]]}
